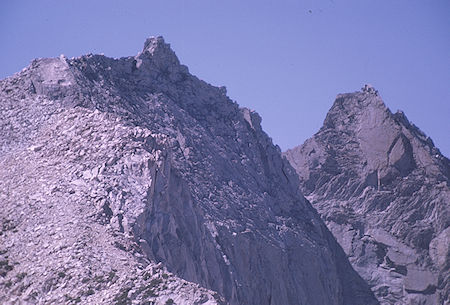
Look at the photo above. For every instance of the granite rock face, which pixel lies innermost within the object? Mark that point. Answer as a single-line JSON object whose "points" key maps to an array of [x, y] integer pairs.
{"points": [[382, 187], [131, 181]]}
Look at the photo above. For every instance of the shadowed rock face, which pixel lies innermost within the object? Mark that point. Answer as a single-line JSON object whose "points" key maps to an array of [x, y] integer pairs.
{"points": [[382, 187], [156, 166]]}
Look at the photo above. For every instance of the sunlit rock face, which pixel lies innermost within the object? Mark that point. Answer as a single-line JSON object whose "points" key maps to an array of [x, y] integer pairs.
{"points": [[130, 180], [382, 188]]}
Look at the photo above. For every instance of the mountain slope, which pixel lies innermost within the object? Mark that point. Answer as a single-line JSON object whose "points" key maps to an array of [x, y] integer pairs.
{"points": [[382, 187], [137, 162]]}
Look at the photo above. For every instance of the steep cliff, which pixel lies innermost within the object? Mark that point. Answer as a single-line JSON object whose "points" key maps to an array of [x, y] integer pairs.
{"points": [[382, 187], [111, 166]]}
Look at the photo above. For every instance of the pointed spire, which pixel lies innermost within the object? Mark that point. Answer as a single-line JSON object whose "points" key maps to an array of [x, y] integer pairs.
{"points": [[155, 44], [159, 50], [158, 57]]}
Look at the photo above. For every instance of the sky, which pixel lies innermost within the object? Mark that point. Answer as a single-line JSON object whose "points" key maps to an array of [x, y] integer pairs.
{"points": [[285, 59]]}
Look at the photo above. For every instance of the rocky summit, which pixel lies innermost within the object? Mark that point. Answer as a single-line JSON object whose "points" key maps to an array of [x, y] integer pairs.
{"points": [[382, 188], [131, 181]]}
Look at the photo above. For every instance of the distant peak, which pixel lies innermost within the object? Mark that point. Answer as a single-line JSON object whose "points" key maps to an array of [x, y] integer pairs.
{"points": [[353, 110]]}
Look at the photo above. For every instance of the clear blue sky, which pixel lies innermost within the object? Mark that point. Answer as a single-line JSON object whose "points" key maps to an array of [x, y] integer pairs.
{"points": [[285, 59]]}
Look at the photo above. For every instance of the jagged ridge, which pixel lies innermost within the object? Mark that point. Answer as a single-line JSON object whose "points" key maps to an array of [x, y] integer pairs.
{"points": [[174, 167]]}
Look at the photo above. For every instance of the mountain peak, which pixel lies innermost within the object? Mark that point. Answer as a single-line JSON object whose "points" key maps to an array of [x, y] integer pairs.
{"points": [[160, 52], [368, 88], [155, 44], [158, 55], [381, 186], [353, 110], [364, 118]]}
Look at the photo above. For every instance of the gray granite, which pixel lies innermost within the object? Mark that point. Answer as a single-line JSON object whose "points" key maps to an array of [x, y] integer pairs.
{"points": [[134, 166], [382, 187]]}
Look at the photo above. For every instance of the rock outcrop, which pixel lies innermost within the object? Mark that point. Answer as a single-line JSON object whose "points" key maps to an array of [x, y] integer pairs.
{"points": [[382, 187], [130, 180]]}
